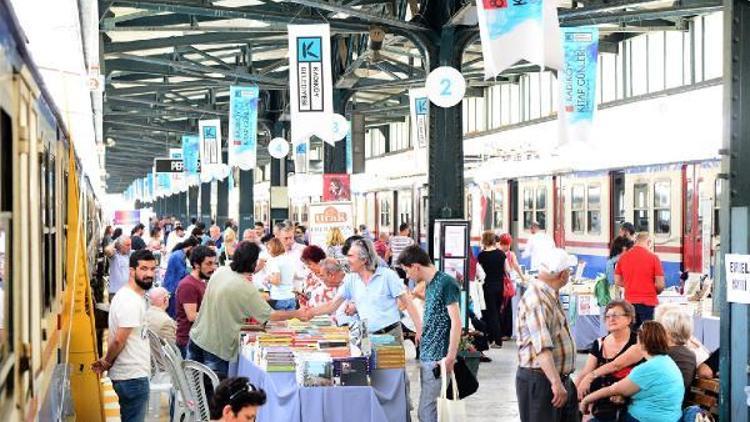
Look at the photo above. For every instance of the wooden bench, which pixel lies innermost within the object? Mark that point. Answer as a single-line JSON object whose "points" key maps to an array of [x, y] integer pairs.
{"points": [[705, 393]]}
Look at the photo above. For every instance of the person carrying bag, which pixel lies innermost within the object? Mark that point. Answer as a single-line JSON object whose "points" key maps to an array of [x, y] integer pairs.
{"points": [[449, 410]]}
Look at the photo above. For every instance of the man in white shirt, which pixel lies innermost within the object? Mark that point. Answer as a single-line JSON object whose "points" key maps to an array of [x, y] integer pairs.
{"points": [[293, 254], [128, 358], [176, 236], [537, 246]]}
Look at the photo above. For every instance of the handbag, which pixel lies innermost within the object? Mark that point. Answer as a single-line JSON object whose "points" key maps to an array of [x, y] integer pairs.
{"points": [[449, 410], [601, 291], [509, 287], [467, 382]]}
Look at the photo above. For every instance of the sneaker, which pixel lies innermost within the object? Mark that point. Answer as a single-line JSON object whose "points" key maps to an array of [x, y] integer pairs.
{"points": [[496, 346], [484, 359]]}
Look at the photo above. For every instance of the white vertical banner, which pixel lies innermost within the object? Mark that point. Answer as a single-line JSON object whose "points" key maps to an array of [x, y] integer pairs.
{"points": [[178, 179], [310, 83], [419, 108], [210, 149], [514, 30]]}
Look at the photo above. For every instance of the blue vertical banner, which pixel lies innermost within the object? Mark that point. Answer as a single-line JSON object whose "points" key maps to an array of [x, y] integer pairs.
{"points": [[349, 152], [191, 158], [577, 82], [209, 132], [150, 186], [515, 30], [419, 110], [243, 126]]}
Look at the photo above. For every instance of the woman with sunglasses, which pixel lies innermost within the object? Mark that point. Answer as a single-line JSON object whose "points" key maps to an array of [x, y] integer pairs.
{"points": [[236, 400], [619, 316]]}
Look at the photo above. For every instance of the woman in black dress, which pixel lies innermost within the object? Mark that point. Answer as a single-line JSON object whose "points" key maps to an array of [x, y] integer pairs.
{"points": [[492, 261]]}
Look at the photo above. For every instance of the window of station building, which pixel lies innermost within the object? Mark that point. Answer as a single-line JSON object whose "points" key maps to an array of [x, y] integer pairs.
{"points": [[640, 207], [541, 207], [593, 212], [713, 33], [385, 214], [662, 207], [528, 208], [404, 208], [498, 199], [577, 208]]}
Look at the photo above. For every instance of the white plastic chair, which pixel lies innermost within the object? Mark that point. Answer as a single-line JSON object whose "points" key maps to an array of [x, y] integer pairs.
{"points": [[160, 382], [196, 374], [184, 408]]}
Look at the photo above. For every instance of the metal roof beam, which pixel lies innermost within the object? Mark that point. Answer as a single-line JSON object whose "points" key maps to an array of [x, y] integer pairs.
{"points": [[203, 68], [151, 128], [361, 14], [166, 42], [150, 87], [637, 16], [163, 104]]}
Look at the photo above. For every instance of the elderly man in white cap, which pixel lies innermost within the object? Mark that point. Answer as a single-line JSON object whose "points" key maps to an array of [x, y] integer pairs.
{"points": [[546, 350], [158, 320]]}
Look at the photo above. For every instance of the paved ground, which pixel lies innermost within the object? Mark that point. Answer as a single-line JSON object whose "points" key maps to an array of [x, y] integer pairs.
{"points": [[496, 399]]}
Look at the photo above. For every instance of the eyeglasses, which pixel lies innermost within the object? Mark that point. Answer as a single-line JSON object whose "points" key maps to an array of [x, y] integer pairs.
{"points": [[613, 316], [248, 388]]}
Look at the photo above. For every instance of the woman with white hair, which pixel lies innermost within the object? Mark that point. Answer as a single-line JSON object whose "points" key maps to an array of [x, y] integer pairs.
{"points": [[679, 327]]}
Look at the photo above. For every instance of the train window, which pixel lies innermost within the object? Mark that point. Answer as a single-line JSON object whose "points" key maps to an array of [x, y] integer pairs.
{"points": [[541, 207], [640, 207], [385, 215], [593, 212], [717, 204], [528, 208], [404, 206], [497, 208], [662, 209], [576, 206]]}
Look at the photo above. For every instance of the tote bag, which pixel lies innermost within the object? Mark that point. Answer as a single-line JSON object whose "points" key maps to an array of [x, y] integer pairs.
{"points": [[449, 410]]}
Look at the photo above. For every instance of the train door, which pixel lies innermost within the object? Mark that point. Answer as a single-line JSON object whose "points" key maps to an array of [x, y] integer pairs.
{"points": [[691, 233], [558, 212], [617, 198], [513, 208]]}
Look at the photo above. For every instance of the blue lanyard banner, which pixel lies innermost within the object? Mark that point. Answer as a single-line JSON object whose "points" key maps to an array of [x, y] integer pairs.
{"points": [[191, 158], [515, 30], [578, 83], [349, 152], [150, 186], [243, 124]]}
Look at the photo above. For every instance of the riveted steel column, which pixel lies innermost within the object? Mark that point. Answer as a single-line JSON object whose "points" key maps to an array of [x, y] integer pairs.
{"points": [[735, 209], [334, 160], [206, 202], [192, 204]]}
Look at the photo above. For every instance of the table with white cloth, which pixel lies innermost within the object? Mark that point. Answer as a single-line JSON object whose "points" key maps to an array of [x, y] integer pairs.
{"points": [[384, 400]]}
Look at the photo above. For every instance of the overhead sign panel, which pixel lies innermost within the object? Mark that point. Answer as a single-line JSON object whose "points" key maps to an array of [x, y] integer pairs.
{"points": [[310, 82]]}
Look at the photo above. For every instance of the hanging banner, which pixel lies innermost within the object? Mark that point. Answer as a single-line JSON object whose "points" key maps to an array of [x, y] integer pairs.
{"points": [[326, 216], [243, 124], [150, 187], [178, 177], [349, 152], [518, 30], [336, 187], [126, 218], [191, 158], [310, 82], [577, 83], [210, 149], [419, 107]]}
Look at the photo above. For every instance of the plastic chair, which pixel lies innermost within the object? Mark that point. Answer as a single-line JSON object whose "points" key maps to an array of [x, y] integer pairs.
{"points": [[196, 374], [184, 409], [160, 382]]}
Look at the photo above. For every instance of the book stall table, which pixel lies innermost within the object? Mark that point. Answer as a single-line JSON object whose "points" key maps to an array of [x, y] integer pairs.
{"points": [[297, 363]]}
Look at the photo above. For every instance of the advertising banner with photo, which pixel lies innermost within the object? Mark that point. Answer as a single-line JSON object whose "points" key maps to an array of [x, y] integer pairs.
{"points": [[310, 83], [336, 187], [191, 158], [514, 30], [326, 216], [577, 82], [126, 217], [243, 126], [419, 107], [210, 150]]}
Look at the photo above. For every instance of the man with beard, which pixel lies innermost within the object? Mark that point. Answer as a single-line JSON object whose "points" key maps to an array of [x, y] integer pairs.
{"points": [[128, 358], [190, 292]]}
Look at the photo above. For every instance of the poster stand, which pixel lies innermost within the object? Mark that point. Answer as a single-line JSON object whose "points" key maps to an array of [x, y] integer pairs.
{"points": [[451, 255]]}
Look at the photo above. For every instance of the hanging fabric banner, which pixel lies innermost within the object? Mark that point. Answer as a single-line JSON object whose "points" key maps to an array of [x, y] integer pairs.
{"points": [[243, 124], [349, 152], [578, 84], [419, 107], [163, 179], [514, 30], [191, 158], [310, 82], [178, 178], [210, 149]]}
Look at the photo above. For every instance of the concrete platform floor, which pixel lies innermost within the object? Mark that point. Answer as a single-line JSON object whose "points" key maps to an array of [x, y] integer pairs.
{"points": [[496, 398]]}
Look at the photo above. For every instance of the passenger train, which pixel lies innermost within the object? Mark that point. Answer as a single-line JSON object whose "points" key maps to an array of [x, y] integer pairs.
{"points": [[41, 304], [677, 203]]}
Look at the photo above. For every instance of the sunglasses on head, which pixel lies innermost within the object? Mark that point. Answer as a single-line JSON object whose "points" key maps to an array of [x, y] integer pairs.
{"points": [[247, 388]]}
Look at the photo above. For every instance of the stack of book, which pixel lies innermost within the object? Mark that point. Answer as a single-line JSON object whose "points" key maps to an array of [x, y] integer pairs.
{"points": [[387, 352], [277, 359]]}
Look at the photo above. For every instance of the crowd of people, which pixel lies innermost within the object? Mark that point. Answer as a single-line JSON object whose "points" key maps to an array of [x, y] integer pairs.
{"points": [[198, 288]]}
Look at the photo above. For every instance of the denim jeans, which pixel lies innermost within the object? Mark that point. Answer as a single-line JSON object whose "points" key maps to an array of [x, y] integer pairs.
{"points": [[133, 397], [285, 305], [643, 313], [430, 391], [217, 364]]}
